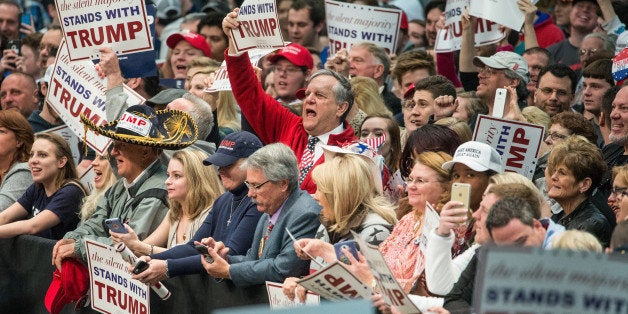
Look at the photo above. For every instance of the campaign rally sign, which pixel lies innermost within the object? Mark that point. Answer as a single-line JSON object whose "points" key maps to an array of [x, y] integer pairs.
{"points": [[278, 300], [76, 89], [89, 24], [506, 13], [449, 38], [111, 288], [533, 280], [69, 136], [335, 283], [259, 26], [349, 24], [391, 290], [620, 65], [221, 81], [517, 142]]}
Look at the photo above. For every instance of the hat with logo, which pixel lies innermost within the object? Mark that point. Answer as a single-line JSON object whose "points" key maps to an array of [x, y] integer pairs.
{"points": [[477, 156], [169, 9], [505, 60], [197, 41], [233, 147], [409, 92], [68, 285], [296, 54], [218, 6], [142, 125]]}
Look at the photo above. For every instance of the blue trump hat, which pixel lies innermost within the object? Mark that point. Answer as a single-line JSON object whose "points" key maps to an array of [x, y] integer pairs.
{"points": [[233, 147]]}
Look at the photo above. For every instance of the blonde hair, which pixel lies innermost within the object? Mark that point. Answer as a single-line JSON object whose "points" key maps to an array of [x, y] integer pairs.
{"points": [[227, 111], [348, 185], [435, 161], [460, 127], [577, 240], [621, 173], [535, 115], [90, 201], [367, 96], [203, 187]]}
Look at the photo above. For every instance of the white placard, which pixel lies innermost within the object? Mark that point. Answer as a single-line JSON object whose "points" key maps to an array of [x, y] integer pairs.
{"points": [[349, 24], [259, 26], [111, 288], [391, 290], [222, 75], [87, 25], [69, 136], [76, 89], [517, 142], [520, 280], [504, 12], [278, 300], [335, 282], [450, 38]]}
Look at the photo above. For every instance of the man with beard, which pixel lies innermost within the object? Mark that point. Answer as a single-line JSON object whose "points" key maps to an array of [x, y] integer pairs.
{"points": [[615, 153]]}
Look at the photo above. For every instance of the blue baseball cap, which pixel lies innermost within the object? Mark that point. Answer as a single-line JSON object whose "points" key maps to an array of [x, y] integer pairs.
{"points": [[233, 147]]}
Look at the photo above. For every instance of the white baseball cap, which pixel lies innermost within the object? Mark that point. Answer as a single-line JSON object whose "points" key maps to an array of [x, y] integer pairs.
{"points": [[477, 156]]}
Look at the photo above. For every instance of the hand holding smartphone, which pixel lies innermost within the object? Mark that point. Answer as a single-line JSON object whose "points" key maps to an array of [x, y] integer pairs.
{"points": [[350, 245], [500, 102], [461, 192], [203, 250], [140, 266], [115, 225]]}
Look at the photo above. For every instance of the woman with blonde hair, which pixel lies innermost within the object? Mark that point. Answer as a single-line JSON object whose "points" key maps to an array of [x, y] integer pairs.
{"points": [[367, 96], [103, 179], [192, 189], [16, 140], [577, 240], [50, 205], [460, 127]]}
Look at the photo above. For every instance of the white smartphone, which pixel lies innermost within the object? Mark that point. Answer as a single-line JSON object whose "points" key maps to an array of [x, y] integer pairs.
{"points": [[500, 102]]}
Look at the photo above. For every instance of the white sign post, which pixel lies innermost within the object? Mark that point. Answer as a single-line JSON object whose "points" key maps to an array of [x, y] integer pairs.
{"points": [[259, 26], [517, 142], [111, 288], [88, 24], [349, 24], [76, 89]]}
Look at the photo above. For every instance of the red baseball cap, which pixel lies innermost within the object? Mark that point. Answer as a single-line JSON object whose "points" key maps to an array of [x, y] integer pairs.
{"points": [[404, 21], [67, 286], [197, 41], [296, 54], [409, 92]]}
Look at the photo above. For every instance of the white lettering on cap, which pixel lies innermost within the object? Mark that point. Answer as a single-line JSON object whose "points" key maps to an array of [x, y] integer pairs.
{"points": [[135, 124]]}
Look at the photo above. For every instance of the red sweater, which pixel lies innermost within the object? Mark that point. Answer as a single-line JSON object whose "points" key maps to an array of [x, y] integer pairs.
{"points": [[271, 121]]}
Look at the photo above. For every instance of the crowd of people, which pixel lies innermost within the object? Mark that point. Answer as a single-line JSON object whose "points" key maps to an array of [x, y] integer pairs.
{"points": [[309, 148]]}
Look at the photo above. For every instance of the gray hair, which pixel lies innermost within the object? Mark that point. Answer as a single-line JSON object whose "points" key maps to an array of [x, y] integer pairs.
{"points": [[381, 57], [608, 43], [277, 162], [342, 90], [201, 112], [192, 17]]}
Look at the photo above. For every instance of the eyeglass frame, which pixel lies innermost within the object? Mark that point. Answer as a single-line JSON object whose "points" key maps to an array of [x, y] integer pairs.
{"points": [[488, 71], [255, 188], [557, 136], [417, 181], [549, 91], [292, 70], [582, 52]]}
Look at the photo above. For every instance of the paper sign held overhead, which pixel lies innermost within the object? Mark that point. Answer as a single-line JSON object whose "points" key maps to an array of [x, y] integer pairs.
{"points": [[222, 75], [506, 13], [259, 26]]}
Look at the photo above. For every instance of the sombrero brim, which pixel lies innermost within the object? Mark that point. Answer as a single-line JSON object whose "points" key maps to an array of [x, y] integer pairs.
{"points": [[182, 131]]}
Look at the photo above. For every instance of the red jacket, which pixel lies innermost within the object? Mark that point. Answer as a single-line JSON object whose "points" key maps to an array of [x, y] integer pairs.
{"points": [[271, 121]]}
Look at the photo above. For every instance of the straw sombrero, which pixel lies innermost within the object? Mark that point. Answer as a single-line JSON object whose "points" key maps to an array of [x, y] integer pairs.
{"points": [[142, 125]]}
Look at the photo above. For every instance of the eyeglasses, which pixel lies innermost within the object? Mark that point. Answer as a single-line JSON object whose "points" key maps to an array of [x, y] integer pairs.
{"points": [[410, 104], [288, 70], [616, 191], [255, 188], [555, 136], [488, 71], [418, 181], [550, 91], [591, 51]]}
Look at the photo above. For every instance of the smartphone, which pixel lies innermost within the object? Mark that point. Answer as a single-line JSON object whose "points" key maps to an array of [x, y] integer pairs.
{"points": [[140, 266], [350, 245], [26, 18], [15, 45], [203, 250], [500, 102], [461, 192], [115, 225]]}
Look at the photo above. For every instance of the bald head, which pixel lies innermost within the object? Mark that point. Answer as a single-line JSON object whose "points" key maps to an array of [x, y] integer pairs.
{"points": [[19, 92]]}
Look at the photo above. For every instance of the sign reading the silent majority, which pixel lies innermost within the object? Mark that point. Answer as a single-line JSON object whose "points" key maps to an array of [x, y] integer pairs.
{"points": [[76, 89], [517, 142], [335, 283], [392, 292], [506, 13], [349, 24], [259, 26], [112, 290], [88, 24], [450, 38], [278, 300], [533, 280], [221, 81]]}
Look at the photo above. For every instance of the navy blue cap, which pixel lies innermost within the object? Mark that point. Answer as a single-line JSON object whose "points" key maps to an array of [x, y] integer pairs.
{"points": [[233, 147]]}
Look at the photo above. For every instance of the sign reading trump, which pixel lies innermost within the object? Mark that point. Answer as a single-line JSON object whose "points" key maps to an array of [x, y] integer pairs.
{"points": [[259, 26]]}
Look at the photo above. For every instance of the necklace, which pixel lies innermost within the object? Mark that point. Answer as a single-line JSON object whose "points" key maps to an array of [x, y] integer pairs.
{"points": [[232, 208]]}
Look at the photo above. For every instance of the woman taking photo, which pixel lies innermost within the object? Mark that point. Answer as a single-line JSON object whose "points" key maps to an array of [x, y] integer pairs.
{"points": [[192, 190], [16, 140], [574, 168], [50, 205]]}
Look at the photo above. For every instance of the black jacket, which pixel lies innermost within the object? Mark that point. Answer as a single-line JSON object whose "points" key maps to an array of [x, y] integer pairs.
{"points": [[589, 218]]}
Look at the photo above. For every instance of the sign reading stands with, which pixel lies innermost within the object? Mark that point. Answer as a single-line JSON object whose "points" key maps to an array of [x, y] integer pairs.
{"points": [[259, 26], [349, 24], [517, 142], [89, 24], [111, 288]]}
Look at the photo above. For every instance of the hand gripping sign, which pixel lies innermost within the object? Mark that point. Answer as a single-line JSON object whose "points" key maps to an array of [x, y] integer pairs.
{"points": [[259, 26], [88, 24]]}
